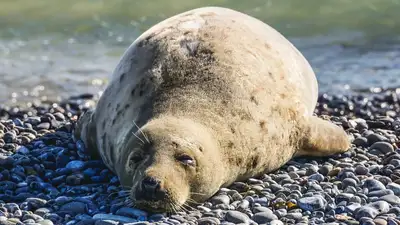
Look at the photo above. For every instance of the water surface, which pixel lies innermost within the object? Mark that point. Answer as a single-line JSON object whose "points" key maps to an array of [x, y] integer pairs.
{"points": [[55, 48]]}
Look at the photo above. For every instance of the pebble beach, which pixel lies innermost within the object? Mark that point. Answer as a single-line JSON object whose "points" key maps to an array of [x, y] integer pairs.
{"points": [[48, 178], [56, 58]]}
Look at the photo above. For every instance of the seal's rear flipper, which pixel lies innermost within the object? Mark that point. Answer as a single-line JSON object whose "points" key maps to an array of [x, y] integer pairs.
{"points": [[323, 138]]}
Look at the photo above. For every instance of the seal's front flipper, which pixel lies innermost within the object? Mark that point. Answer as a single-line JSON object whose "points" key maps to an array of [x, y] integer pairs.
{"points": [[85, 131], [322, 138]]}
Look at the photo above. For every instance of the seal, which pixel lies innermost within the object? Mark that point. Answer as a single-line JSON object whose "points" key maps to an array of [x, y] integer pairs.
{"points": [[201, 100]]}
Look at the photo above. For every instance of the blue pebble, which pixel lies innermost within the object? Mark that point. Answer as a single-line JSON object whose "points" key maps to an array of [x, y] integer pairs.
{"points": [[61, 160], [75, 165], [95, 164], [142, 218], [38, 144], [80, 146], [317, 177], [114, 180], [23, 150], [89, 172], [58, 150], [58, 180], [97, 179], [63, 171], [18, 122]]}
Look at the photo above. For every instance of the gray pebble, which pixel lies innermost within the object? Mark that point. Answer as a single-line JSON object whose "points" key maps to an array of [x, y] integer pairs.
{"points": [[383, 147], [391, 199], [106, 222], [123, 219], [262, 217], [42, 211], [45, 222], [317, 177], [380, 193], [220, 199], [208, 221], [312, 203], [36, 202], [371, 210], [236, 217], [373, 138], [261, 209], [394, 187], [352, 207], [373, 185], [131, 212], [294, 216], [361, 142], [34, 217], [276, 222], [349, 182]]}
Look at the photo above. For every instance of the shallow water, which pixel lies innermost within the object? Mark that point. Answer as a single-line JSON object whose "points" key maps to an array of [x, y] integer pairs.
{"points": [[60, 48]]}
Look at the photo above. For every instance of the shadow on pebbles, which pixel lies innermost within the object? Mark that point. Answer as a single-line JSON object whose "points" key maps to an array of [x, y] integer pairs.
{"points": [[47, 178]]}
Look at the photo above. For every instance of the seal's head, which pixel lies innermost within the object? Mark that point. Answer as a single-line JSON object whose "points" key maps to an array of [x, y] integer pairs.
{"points": [[170, 163]]}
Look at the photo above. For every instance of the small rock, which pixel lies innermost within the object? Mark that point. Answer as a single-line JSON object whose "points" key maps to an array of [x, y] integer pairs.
{"points": [[391, 199], [373, 185], [123, 219], [74, 208], [394, 187], [45, 222], [312, 203], [131, 212], [383, 147], [263, 217], [371, 210], [208, 221], [220, 199], [236, 217], [75, 165]]}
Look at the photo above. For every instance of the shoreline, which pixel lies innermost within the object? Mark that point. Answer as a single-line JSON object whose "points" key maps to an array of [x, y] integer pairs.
{"points": [[42, 170]]}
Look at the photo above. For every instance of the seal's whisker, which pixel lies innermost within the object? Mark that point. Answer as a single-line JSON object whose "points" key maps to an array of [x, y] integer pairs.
{"points": [[138, 137], [188, 206], [125, 188], [177, 208], [129, 202], [196, 193], [140, 129], [192, 201], [124, 191]]}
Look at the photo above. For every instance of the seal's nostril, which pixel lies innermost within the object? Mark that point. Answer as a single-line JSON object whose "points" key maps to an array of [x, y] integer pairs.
{"points": [[150, 183]]}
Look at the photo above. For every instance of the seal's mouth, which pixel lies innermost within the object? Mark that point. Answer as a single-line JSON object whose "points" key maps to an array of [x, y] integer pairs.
{"points": [[154, 200], [157, 206]]}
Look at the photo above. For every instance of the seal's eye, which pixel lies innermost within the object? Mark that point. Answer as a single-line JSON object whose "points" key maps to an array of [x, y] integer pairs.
{"points": [[186, 160], [135, 159]]}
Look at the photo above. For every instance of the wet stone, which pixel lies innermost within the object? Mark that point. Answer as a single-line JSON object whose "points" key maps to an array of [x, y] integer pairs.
{"points": [[312, 203], [262, 217], [208, 221], [371, 210], [394, 187], [391, 199], [131, 212], [373, 185], [383, 147], [73, 208], [236, 217], [220, 199]]}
